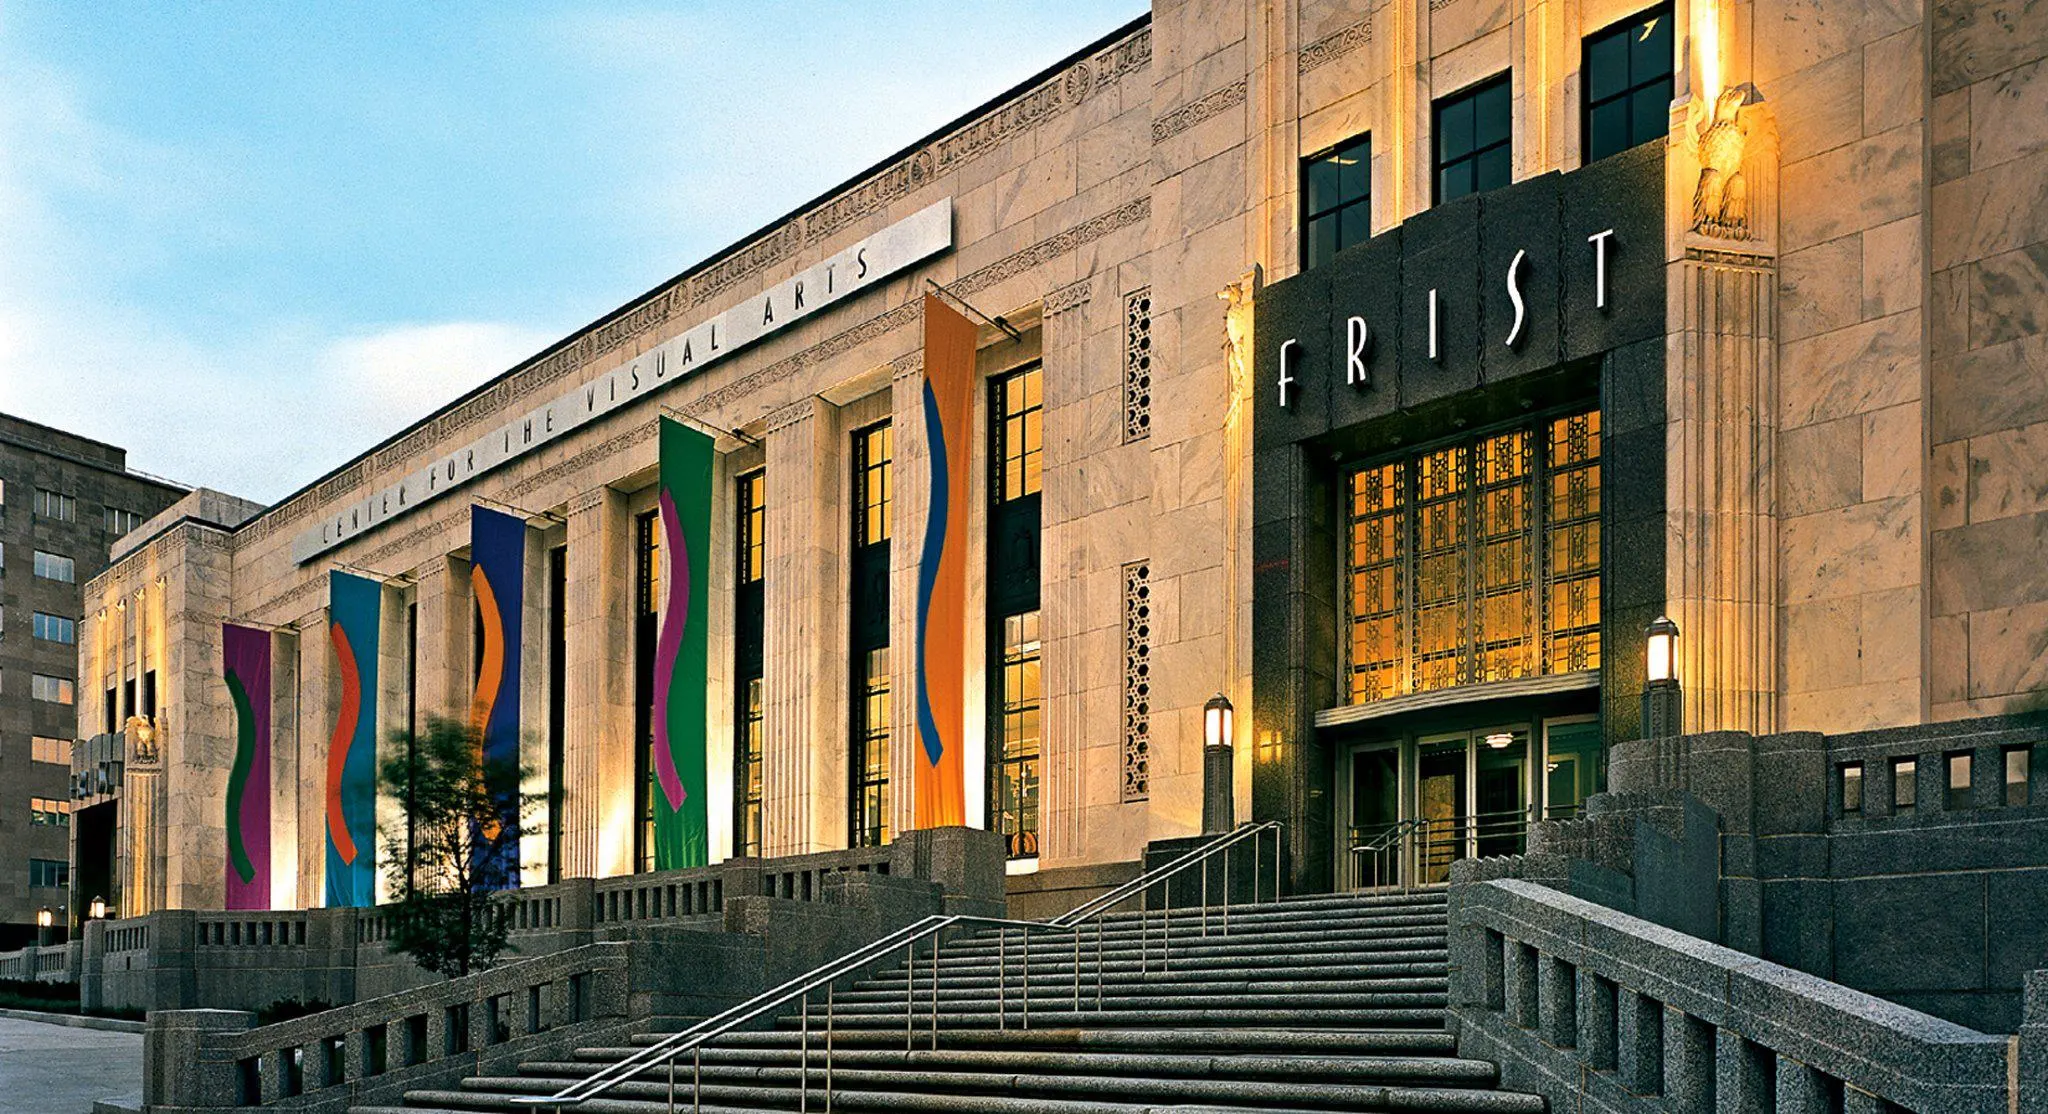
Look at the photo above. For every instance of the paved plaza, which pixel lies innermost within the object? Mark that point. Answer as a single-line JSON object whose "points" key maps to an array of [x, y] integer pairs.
{"points": [[57, 1069]]}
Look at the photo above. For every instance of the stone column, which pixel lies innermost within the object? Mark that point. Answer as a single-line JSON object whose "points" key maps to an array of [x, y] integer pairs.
{"points": [[805, 724], [910, 479], [597, 783], [1068, 627], [446, 637], [1721, 402]]}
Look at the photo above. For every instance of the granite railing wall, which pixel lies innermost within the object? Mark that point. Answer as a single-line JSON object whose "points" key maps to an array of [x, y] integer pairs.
{"points": [[180, 959], [373, 1051], [1606, 1013], [48, 963]]}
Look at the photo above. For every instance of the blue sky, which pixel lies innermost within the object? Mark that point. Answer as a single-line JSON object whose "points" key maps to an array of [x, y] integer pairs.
{"points": [[248, 240]]}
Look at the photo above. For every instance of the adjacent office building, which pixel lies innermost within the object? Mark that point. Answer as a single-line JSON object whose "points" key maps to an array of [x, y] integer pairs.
{"points": [[64, 502], [1387, 371]]}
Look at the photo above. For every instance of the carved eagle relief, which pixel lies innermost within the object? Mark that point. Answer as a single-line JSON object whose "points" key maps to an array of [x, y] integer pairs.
{"points": [[1720, 204]]}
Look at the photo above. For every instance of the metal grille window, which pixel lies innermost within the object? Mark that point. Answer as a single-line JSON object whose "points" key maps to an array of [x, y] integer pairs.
{"points": [[56, 506], [646, 621], [1019, 736], [1137, 764], [53, 628], [1474, 139], [1476, 562], [872, 449], [751, 501], [1138, 364], [1336, 200], [1627, 77], [871, 757], [753, 508]]}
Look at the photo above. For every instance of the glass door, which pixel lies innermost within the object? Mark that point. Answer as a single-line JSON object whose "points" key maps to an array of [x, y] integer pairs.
{"points": [[1574, 766], [1500, 804], [1373, 810], [1442, 805]]}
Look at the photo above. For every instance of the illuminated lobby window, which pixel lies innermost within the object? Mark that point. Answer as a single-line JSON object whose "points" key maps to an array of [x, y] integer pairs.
{"points": [[1628, 82], [646, 621], [1336, 200], [868, 797], [1477, 561], [1017, 450], [748, 624], [1474, 140]]}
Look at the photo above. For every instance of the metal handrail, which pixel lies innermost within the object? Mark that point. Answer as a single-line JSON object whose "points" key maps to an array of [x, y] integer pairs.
{"points": [[692, 1040]]}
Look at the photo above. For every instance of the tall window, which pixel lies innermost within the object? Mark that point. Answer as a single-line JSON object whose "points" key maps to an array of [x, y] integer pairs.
{"points": [[54, 566], [646, 615], [56, 506], [868, 792], [1017, 450], [1474, 138], [1476, 561], [1627, 77], [1336, 200], [748, 622]]}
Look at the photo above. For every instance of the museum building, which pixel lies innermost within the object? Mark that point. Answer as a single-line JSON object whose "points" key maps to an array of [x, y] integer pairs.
{"points": [[1440, 388]]}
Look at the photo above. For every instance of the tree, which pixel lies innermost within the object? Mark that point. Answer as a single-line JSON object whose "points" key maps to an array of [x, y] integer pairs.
{"points": [[464, 812]]}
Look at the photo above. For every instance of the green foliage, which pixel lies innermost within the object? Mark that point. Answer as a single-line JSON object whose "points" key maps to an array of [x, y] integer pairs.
{"points": [[451, 917]]}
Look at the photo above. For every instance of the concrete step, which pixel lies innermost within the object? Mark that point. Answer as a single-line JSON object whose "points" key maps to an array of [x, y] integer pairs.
{"points": [[1344, 1017], [1189, 1041], [1165, 987], [984, 976]]}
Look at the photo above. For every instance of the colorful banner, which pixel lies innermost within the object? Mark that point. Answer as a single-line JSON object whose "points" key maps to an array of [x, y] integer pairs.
{"points": [[942, 567], [497, 574], [681, 651], [355, 607], [245, 666]]}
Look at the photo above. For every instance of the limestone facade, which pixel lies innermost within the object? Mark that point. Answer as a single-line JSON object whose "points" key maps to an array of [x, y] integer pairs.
{"points": [[1846, 423]]}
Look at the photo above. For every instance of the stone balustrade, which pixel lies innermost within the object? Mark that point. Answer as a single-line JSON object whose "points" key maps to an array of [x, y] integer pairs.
{"points": [[1604, 1012], [49, 963], [213, 1059]]}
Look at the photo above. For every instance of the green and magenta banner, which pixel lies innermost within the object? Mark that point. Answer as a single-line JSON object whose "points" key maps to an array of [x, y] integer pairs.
{"points": [[681, 655], [355, 607], [245, 667]]}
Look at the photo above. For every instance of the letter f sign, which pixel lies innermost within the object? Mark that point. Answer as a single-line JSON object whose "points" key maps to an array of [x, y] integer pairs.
{"points": [[1288, 348]]}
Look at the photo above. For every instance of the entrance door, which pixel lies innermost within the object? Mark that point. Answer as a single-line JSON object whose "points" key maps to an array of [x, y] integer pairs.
{"points": [[1500, 792], [1441, 805], [1375, 808]]}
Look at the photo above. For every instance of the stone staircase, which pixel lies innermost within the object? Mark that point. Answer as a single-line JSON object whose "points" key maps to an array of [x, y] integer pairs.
{"points": [[1334, 1003]]}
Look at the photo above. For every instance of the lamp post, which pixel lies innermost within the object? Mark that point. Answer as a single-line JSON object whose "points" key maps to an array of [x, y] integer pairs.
{"points": [[98, 909], [1662, 710], [45, 919], [1219, 800]]}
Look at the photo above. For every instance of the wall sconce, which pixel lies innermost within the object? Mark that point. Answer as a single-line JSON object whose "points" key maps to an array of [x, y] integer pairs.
{"points": [[1219, 798], [1662, 709]]}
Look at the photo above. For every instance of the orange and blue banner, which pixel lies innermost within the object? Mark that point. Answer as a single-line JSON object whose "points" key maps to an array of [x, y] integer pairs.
{"points": [[245, 667], [355, 607], [497, 574], [938, 780], [682, 659]]}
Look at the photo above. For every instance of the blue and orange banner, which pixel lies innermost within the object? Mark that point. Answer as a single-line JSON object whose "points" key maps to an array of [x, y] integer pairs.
{"points": [[497, 574], [682, 659], [938, 780], [245, 667], [355, 607]]}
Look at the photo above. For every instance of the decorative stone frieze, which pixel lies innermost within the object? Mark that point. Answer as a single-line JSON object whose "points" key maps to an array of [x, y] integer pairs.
{"points": [[1189, 115], [1333, 46]]}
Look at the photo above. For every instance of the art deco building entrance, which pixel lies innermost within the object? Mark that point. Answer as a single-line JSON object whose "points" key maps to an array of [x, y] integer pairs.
{"points": [[1411, 807]]}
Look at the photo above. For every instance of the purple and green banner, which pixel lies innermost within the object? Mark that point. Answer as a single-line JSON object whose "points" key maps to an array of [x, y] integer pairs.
{"points": [[355, 607], [245, 666], [681, 655], [497, 573]]}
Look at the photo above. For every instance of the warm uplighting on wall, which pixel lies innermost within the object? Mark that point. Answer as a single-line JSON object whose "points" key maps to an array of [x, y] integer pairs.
{"points": [[1706, 32]]}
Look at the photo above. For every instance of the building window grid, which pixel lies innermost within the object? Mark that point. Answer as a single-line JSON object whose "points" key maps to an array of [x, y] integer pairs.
{"points": [[752, 507], [54, 628], [50, 873], [1020, 435], [55, 566], [871, 764], [1627, 73], [56, 752], [1336, 200], [53, 690], [45, 812], [873, 490], [1442, 549], [1018, 725], [56, 506], [1473, 137], [747, 835], [120, 522]]}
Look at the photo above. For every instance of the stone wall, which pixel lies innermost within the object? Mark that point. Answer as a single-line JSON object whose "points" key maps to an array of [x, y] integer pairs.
{"points": [[1989, 330]]}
